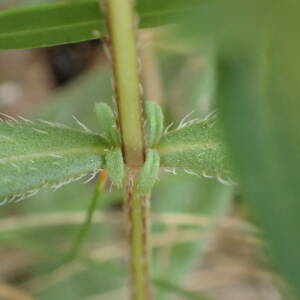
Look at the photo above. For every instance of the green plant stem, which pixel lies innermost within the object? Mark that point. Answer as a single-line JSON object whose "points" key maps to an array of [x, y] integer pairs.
{"points": [[120, 21], [137, 216], [88, 219]]}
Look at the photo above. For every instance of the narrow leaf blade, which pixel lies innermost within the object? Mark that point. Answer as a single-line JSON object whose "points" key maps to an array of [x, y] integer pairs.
{"points": [[50, 24], [74, 21], [176, 289], [259, 101]]}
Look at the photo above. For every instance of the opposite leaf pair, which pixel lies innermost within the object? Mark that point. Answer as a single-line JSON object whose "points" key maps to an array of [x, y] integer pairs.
{"points": [[114, 163], [109, 128], [44, 154]]}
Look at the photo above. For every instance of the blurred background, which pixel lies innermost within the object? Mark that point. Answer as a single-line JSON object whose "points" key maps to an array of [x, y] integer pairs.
{"points": [[204, 237]]}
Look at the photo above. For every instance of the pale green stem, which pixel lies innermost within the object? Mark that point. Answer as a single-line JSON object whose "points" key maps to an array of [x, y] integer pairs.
{"points": [[120, 20], [121, 26]]}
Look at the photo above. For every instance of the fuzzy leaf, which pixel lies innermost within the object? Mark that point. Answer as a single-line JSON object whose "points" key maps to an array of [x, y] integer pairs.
{"points": [[154, 122], [107, 122], [196, 148], [115, 166], [149, 173], [74, 21], [37, 155]]}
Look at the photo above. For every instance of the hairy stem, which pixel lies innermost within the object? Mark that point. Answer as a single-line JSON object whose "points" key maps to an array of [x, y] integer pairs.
{"points": [[137, 216], [120, 21]]}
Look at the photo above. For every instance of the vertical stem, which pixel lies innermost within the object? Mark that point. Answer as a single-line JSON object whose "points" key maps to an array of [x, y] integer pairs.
{"points": [[120, 21], [138, 240]]}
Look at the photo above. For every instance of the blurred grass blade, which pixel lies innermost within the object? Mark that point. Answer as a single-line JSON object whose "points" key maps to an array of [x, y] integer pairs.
{"points": [[66, 102], [196, 148], [85, 227], [175, 289], [259, 99], [202, 197], [35, 155], [74, 21]]}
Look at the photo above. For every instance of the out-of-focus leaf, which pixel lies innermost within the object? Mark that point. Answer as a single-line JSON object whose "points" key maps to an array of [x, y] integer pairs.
{"points": [[186, 194], [73, 21], [93, 86], [197, 148], [175, 289], [95, 280], [227, 21], [259, 97], [34, 155], [195, 80], [107, 123]]}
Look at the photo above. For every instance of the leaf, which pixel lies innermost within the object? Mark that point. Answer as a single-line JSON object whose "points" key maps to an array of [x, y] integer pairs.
{"points": [[259, 101], [154, 122], [196, 148], [50, 24], [38, 155], [149, 172], [203, 198], [68, 101], [74, 21], [107, 123], [175, 289], [115, 166]]}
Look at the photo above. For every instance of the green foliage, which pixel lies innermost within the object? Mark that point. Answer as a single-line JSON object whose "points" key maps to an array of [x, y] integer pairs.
{"points": [[194, 197], [34, 155], [86, 226], [67, 102], [175, 289], [114, 165], [54, 155], [257, 44], [265, 106], [154, 122], [107, 123], [43, 25], [197, 148], [258, 94], [149, 173]]}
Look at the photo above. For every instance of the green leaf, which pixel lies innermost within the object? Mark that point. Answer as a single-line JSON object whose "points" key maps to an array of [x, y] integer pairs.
{"points": [[50, 24], [74, 21], [67, 102], [107, 123], [154, 122], [149, 172], [115, 166], [202, 198], [259, 100], [175, 289], [197, 148], [35, 155]]}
